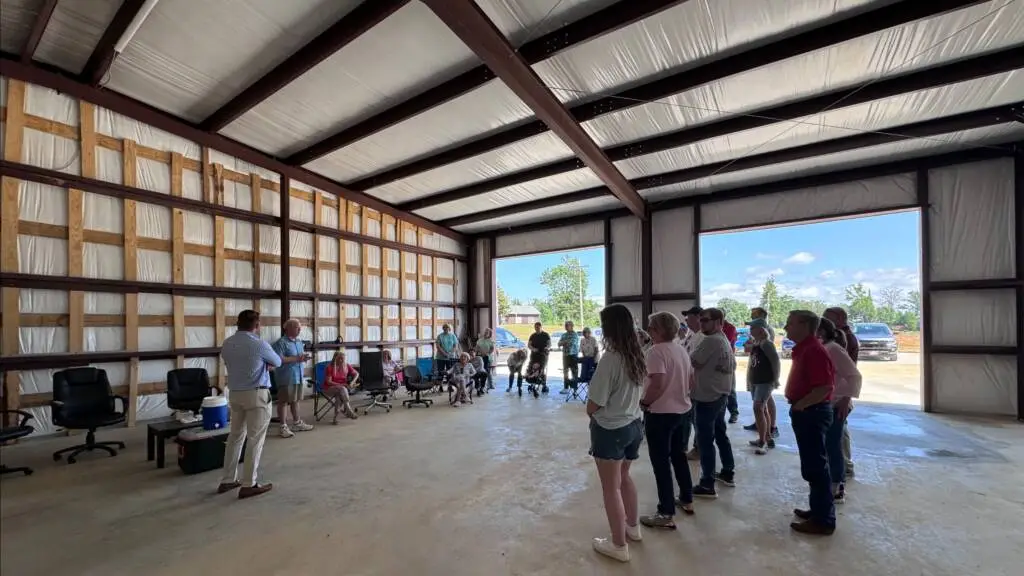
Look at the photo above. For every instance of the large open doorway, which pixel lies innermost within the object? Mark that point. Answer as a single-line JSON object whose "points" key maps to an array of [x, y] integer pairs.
{"points": [[550, 288], [868, 265]]}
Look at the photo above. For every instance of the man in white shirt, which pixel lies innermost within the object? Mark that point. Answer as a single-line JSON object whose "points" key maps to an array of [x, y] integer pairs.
{"points": [[693, 338]]}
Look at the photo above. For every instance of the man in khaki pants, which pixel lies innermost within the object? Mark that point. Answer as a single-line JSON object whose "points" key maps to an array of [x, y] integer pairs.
{"points": [[246, 358]]}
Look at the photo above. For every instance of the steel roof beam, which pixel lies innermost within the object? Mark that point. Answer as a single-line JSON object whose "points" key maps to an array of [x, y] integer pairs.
{"points": [[472, 26], [38, 28], [961, 71], [349, 27], [862, 24], [48, 76], [102, 57], [929, 128], [609, 19]]}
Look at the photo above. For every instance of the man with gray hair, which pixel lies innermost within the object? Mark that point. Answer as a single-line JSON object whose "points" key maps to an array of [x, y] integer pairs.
{"points": [[289, 377], [809, 392]]}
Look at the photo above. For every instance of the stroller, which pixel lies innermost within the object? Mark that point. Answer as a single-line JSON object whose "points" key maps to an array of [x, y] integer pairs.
{"points": [[536, 374]]}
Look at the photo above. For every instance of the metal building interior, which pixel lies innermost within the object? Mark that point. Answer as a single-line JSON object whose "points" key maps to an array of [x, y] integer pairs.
{"points": [[360, 165]]}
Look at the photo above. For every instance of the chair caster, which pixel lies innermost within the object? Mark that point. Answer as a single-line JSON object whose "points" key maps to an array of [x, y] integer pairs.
{"points": [[72, 460], [56, 457], [28, 472]]}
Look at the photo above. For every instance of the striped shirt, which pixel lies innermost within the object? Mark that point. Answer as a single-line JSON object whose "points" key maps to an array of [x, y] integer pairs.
{"points": [[246, 357]]}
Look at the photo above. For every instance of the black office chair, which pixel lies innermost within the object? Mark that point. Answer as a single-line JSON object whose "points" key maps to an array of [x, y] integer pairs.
{"points": [[372, 380], [186, 389], [19, 430], [83, 400], [415, 384]]}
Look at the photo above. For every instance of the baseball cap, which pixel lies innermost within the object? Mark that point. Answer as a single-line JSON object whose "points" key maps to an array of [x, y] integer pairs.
{"points": [[693, 311], [758, 323]]}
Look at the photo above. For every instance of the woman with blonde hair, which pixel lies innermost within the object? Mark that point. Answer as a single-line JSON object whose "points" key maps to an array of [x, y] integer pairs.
{"points": [[461, 376], [338, 378], [667, 422], [616, 430]]}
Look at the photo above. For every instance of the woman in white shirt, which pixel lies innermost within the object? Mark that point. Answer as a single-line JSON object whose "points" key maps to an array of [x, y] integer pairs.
{"points": [[616, 430], [591, 355], [848, 383]]}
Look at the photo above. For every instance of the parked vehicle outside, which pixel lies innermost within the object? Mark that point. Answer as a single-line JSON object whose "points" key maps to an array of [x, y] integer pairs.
{"points": [[876, 341], [505, 343], [787, 347], [742, 335]]}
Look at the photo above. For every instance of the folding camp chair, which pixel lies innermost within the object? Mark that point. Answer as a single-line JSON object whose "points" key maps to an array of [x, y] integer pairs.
{"points": [[578, 389], [322, 403]]}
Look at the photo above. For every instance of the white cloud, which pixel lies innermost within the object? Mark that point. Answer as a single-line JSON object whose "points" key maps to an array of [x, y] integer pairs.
{"points": [[800, 258], [827, 274]]}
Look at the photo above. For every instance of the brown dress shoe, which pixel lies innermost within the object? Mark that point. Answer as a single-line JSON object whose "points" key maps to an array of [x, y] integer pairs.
{"points": [[802, 514], [227, 487], [250, 491], [813, 527]]}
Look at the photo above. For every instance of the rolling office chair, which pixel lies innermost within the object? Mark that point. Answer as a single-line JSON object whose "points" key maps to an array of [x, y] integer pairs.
{"points": [[416, 384], [372, 381], [19, 430], [83, 400], [186, 389]]}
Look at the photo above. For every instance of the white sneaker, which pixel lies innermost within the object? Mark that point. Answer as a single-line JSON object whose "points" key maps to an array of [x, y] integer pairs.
{"points": [[609, 549], [301, 426], [634, 533], [285, 432], [456, 404], [760, 450]]}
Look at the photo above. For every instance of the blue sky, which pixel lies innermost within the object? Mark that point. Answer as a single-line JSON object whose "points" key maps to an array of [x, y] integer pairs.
{"points": [[813, 261]]}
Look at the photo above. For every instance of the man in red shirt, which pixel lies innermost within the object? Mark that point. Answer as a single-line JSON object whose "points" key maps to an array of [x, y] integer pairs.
{"points": [[731, 404], [838, 317], [809, 392]]}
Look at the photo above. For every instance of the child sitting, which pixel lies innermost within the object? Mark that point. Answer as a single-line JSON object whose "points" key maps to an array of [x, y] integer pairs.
{"points": [[461, 374]]}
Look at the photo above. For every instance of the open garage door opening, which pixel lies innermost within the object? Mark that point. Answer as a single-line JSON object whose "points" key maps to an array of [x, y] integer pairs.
{"points": [[869, 266], [551, 288]]}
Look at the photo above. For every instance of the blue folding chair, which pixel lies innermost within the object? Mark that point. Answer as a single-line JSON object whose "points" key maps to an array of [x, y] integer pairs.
{"points": [[322, 403]]}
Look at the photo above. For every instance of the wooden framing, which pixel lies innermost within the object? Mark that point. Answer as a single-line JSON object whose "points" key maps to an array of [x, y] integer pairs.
{"points": [[353, 225]]}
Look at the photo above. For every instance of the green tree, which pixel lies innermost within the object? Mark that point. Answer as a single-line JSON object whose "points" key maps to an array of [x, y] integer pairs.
{"points": [[504, 307], [912, 303], [567, 285], [777, 304], [735, 311], [859, 304], [891, 297]]}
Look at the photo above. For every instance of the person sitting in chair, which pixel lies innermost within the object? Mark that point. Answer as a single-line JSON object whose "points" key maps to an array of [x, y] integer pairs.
{"points": [[482, 373], [339, 377], [536, 378], [461, 375], [516, 361], [392, 370]]}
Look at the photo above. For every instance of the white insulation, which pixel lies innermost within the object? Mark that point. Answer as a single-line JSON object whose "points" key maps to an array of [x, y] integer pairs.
{"points": [[566, 238], [626, 257], [672, 239]]}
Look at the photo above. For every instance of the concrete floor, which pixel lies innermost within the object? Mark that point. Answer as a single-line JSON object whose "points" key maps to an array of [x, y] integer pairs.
{"points": [[506, 487]]}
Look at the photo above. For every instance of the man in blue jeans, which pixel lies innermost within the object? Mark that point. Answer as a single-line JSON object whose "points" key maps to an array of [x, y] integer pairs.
{"points": [[715, 365], [809, 392]]}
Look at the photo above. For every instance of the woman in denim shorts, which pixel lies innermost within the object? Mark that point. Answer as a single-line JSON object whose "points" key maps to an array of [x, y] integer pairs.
{"points": [[616, 429]]}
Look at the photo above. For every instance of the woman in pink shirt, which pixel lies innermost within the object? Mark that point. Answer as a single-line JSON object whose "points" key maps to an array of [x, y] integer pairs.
{"points": [[848, 382], [666, 401], [339, 377]]}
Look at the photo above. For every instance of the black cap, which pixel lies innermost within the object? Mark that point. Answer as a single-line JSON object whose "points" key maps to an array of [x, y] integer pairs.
{"points": [[693, 311]]}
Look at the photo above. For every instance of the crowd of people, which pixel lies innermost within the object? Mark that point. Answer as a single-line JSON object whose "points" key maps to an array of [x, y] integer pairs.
{"points": [[685, 381], [659, 384]]}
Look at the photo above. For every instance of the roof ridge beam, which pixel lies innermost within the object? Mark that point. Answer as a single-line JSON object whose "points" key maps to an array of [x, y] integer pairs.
{"points": [[961, 71], [928, 128], [861, 24], [349, 27], [472, 26], [609, 19]]}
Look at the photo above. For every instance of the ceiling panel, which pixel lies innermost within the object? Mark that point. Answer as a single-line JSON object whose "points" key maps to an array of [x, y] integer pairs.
{"points": [[508, 223], [900, 50], [191, 56], [405, 54]]}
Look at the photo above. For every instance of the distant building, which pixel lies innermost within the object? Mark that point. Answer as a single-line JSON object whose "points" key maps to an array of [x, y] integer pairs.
{"points": [[522, 315]]}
